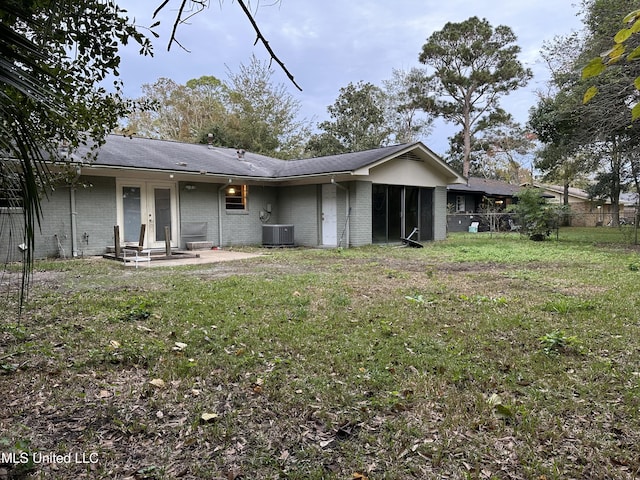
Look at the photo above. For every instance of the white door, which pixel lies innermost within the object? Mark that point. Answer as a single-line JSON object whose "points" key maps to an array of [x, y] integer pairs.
{"points": [[329, 215], [151, 203]]}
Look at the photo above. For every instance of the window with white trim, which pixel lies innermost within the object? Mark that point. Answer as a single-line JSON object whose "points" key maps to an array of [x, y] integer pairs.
{"points": [[235, 197]]}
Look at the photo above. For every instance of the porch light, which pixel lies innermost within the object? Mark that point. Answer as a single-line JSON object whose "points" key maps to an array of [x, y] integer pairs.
{"points": [[231, 191]]}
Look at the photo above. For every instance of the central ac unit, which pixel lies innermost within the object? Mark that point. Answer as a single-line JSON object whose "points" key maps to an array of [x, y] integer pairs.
{"points": [[277, 235]]}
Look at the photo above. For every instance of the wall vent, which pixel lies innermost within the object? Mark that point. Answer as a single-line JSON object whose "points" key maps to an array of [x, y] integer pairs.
{"points": [[277, 235]]}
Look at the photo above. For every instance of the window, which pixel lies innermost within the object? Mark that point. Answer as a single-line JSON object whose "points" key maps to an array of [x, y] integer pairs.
{"points": [[10, 193], [460, 203], [235, 197]]}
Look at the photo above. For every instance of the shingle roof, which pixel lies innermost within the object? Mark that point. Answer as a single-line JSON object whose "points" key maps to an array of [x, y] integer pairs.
{"points": [[143, 153], [344, 162], [487, 186]]}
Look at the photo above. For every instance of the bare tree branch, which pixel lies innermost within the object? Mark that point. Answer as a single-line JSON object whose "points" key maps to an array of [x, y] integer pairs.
{"points": [[203, 3], [264, 41]]}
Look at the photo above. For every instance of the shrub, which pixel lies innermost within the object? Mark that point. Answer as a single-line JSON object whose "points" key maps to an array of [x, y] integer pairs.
{"points": [[536, 216]]}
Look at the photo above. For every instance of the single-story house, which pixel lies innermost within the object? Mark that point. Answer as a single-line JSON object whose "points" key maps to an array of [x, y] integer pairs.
{"points": [[586, 211], [206, 195], [477, 196]]}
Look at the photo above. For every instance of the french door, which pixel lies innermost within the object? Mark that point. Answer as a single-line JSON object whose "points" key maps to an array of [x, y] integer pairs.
{"points": [[151, 203]]}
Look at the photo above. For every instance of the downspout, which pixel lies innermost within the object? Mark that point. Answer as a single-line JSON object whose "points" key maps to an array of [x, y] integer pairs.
{"points": [[220, 212], [348, 212], [74, 214]]}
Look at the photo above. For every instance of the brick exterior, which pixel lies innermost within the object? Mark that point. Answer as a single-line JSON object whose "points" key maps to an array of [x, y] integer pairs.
{"points": [[299, 206], [360, 221], [11, 227], [96, 215], [440, 213], [199, 204], [245, 227]]}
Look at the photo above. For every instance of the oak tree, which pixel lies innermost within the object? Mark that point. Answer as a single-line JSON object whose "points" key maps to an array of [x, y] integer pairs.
{"points": [[357, 122]]}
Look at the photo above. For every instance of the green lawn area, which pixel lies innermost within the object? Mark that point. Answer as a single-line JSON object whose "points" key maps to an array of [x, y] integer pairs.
{"points": [[480, 357]]}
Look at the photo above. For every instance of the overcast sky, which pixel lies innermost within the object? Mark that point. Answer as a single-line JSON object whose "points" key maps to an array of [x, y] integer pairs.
{"points": [[328, 43]]}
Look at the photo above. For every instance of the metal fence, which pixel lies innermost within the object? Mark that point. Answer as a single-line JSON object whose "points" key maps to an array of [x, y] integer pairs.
{"points": [[597, 222]]}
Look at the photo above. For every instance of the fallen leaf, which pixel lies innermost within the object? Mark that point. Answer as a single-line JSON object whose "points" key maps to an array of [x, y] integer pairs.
{"points": [[284, 456], [179, 346], [157, 382], [360, 476], [209, 417], [114, 344], [104, 394]]}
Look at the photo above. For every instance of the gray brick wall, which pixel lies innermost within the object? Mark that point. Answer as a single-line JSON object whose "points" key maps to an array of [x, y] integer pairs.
{"points": [[360, 221], [245, 227], [199, 205], [55, 226], [95, 218], [440, 213], [11, 225], [299, 206], [96, 215], [96, 209]]}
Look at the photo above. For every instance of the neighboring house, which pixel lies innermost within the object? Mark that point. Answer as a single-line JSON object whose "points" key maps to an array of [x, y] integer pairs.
{"points": [[478, 196], [224, 197], [587, 212]]}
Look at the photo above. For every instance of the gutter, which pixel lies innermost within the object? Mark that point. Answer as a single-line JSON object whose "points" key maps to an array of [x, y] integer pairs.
{"points": [[347, 214], [74, 214], [220, 211], [74, 225], [222, 174]]}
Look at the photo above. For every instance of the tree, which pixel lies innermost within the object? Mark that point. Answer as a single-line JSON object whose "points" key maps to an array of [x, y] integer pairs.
{"points": [[401, 110], [606, 123], [54, 57], [474, 66], [555, 123], [180, 112], [358, 122], [264, 116], [503, 148], [625, 48], [596, 137], [536, 217]]}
